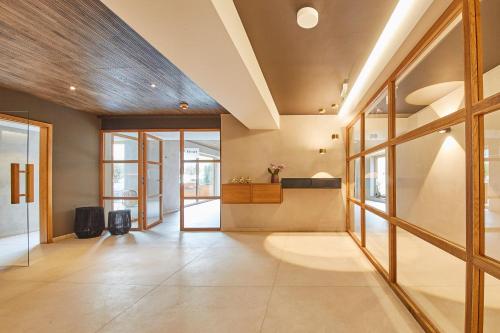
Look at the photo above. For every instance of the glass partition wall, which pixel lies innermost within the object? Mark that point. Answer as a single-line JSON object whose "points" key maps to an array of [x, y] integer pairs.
{"points": [[201, 180], [162, 176], [422, 174]]}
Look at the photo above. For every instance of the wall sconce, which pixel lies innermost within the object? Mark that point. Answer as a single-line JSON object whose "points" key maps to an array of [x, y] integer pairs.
{"points": [[335, 136], [444, 130], [322, 151]]}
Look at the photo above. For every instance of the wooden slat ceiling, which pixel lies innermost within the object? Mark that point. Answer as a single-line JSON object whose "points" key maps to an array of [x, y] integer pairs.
{"points": [[48, 45]]}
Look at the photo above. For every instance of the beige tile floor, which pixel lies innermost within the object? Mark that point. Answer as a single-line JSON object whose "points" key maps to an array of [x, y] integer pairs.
{"points": [[163, 280]]}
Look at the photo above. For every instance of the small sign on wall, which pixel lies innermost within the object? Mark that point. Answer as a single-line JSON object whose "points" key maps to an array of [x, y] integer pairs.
{"points": [[191, 153]]}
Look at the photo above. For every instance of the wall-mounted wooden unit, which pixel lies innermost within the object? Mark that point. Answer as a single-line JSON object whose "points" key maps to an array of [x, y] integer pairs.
{"points": [[252, 193]]}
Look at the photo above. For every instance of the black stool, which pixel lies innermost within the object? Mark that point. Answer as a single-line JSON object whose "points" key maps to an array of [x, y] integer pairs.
{"points": [[119, 222], [89, 222]]}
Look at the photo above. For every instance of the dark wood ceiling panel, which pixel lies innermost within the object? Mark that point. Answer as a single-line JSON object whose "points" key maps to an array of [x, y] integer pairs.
{"points": [[48, 45], [304, 69]]}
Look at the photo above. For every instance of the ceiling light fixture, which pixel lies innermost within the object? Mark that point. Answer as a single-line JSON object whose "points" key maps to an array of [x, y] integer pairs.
{"points": [[322, 151], [307, 17], [344, 89], [183, 106], [322, 111], [72, 88], [402, 21], [444, 130], [153, 85], [335, 136]]}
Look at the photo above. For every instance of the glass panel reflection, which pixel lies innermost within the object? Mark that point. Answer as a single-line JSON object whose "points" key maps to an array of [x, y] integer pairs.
{"points": [[355, 219], [491, 304], [492, 184], [377, 238], [121, 146], [355, 138], [377, 121], [490, 28], [121, 180], [355, 178], [434, 279], [433, 86], [430, 183], [132, 205], [376, 180]]}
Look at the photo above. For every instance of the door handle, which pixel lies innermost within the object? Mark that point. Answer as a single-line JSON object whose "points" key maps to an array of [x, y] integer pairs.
{"points": [[14, 184], [15, 194], [30, 182]]}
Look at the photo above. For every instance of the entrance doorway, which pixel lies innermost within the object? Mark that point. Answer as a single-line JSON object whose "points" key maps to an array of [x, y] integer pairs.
{"points": [[25, 187], [169, 177]]}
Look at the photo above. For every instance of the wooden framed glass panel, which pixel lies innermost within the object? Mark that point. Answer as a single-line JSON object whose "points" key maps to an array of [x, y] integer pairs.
{"points": [[355, 138], [491, 304], [491, 178], [153, 172], [430, 183], [355, 219], [201, 180], [490, 28], [355, 178], [432, 86], [376, 180], [377, 121], [434, 280], [121, 174], [377, 238]]}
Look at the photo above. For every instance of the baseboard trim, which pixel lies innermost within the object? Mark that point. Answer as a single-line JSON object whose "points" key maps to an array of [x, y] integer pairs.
{"points": [[63, 237]]}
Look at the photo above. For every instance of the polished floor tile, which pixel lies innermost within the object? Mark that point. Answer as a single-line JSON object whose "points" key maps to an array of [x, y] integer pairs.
{"points": [[163, 280]]}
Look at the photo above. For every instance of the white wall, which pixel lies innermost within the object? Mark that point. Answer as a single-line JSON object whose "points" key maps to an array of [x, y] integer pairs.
{"points": [[296, 144]]}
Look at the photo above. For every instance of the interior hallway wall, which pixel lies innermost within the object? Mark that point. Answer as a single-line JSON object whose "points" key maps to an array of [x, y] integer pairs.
{"points": [[75, 169], [249, 152]]}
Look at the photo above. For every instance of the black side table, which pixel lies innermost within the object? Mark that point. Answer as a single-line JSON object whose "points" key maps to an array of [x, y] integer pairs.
{"points": [[89, 222], [119, 222]]}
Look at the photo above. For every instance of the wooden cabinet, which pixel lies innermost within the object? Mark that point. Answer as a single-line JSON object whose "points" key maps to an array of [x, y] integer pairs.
{"points": [[236, 193], [252, 193]]}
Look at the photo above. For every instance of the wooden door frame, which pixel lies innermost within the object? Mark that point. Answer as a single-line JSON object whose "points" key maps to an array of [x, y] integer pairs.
{"points": [[45, 174]]}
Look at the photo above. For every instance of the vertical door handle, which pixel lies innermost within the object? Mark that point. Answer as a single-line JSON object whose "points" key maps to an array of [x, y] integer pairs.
{"points": [[30, 182], [14, 184]]}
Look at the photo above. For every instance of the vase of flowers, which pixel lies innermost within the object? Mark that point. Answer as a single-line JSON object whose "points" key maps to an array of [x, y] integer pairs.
{"points": [[274, 170]]}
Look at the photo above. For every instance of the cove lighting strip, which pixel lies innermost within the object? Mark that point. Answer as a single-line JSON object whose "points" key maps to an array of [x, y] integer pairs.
{"points": [[403, 19]]}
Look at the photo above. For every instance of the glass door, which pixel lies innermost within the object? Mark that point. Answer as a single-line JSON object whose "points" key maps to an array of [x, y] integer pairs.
{"points": [[120, 174], [17, 190], [153, 171], [201, 180]]}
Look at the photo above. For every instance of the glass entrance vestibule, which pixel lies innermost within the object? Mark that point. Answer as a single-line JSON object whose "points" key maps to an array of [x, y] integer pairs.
{"points": [[170, 176]]}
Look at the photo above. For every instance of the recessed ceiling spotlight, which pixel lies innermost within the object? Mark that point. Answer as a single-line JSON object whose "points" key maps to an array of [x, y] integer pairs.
{"points": [[335, 106], [321, 111], [153, 85], [72, 88], [307, 17], [183, 106]]}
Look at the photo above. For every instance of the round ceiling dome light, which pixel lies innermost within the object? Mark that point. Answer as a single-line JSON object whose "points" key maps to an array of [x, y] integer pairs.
{"points": [[183, 106], [307, 17]]}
